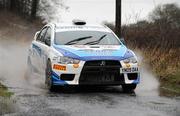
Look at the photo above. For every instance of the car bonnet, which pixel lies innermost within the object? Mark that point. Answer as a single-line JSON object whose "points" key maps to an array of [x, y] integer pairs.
{"points": [[94, 52]]}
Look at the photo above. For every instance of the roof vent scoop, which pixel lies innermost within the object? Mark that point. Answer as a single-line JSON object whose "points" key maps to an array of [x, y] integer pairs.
{"points": [[79, 22]]}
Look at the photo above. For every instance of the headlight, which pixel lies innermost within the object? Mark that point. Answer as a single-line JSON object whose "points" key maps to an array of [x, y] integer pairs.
{"points": [[130, 60], [66, 60]]}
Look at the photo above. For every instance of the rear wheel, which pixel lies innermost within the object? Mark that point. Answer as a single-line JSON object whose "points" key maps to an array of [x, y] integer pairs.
{"points": [[129, 87], [49, 80]]}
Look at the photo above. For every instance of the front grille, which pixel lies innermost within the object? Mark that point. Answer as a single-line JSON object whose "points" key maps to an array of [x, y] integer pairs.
{"points": [[101, 72], [106, 63]]}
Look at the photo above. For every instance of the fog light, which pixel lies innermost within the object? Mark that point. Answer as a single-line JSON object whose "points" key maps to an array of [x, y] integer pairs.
{"points": [[76, 65]]}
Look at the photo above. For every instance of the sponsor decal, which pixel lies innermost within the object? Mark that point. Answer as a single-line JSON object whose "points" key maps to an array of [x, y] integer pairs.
{"points": [[38, 49], [59, 67], [79, 46], [99, 52], [89, 54]]}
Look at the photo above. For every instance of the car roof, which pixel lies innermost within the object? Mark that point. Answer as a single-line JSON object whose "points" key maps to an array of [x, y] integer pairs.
{"points": [[60, 27]]}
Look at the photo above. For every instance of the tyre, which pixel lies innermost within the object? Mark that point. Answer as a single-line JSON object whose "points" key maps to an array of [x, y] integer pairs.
{"points": [[49, 80], [129, 87]]}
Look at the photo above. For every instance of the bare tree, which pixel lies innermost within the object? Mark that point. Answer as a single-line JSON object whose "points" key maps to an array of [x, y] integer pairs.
{"points": [[50, 10]]}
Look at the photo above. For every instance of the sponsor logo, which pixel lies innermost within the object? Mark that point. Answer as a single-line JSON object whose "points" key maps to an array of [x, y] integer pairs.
{"points": [[103, 63], [100, 52], [59, 67], [37, 49], [128, 65]]}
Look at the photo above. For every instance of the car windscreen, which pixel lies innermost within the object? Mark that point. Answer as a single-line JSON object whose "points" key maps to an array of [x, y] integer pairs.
{"points": [[85, 38]]}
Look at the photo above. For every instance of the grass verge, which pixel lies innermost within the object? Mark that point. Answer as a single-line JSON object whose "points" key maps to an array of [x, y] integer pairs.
{"points": [[171, 85], [6, 103], [4, 91], [166, 65]]}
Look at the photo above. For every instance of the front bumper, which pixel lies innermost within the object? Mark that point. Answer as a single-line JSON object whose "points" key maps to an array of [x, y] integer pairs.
{"points": [[94, 73]]}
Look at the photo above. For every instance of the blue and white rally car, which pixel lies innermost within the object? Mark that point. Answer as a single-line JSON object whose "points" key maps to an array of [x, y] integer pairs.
{"points": [[82, 54]]}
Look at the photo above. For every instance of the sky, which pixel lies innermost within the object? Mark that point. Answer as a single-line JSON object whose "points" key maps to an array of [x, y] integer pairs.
{"points": [[104, 10]]}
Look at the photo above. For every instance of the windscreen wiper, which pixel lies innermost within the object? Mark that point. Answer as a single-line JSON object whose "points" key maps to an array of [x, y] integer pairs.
{"points": [[97, 41], [77, 40]]}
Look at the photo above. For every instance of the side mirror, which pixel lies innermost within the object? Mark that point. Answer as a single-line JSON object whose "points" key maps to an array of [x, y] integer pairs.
{"points": [[123, 41], [48, 41]]}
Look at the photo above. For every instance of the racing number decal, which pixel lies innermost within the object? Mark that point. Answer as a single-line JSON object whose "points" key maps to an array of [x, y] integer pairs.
{"points": [[59, 67]]}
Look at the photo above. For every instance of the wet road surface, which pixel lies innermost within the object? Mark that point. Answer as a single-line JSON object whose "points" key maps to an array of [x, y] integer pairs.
{"points": [[31, 98], [98, 102]]}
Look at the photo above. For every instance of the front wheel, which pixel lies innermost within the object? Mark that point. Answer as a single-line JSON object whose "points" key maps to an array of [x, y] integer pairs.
{"points": [[49, 80], [129, 87]]}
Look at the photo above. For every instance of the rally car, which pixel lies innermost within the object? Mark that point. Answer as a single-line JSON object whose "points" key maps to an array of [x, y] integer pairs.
{"points": [[78, 53]]}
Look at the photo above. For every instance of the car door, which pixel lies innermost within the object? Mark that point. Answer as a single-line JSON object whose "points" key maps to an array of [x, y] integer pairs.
{"points": [[46, 47], [37, 49]]}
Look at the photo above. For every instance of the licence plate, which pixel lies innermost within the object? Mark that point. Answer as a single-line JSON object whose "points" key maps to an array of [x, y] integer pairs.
{"points": [[129, 70]]}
